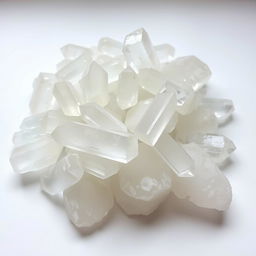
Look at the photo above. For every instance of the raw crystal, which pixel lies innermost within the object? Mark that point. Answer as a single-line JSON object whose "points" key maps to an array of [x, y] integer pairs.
{"points": [[72, 51], [110, 47], [114, 109], [164, 52], [62, 64], [172, 123], [117, 146], [88, 201]]}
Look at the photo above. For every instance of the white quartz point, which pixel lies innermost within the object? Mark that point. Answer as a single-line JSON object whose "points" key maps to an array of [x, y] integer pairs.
{"points": [[139, 51], [94, 85], [208, 188], [143, 184], [66, 99], [117, 146], [172, 123], [128, 89], [88, 201], [66, 172], [114, 109], [151, 80], [164, 52], [100, 117], [222, 108], [217, 146], [157, 117], [188, 71], [34, 156], [175, 156], [72, 51], [110, 47], [62, 64]]}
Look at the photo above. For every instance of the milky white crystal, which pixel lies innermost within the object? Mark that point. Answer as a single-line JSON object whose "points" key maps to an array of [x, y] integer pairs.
{"points": [[110, 47], [164, 52], [73, 51], [114, 109]]}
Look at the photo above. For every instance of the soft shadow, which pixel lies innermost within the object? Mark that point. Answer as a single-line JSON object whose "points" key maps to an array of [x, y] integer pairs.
{"points": [[28, 179], [57, 200], [227, 121]]}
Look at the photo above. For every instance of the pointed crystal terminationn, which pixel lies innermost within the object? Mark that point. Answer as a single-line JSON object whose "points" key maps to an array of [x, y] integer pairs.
{"points": [[222, 108], [100, 117], [217, 146], [175, 156], [118, 146], [110, 47], [139, 51], [94, 85], [66, 172], [157, 117], [114, 109], [66, 99], [88, 201], [35, 156], [72, 51], [128, 89], [164, 52], [187, 71]]}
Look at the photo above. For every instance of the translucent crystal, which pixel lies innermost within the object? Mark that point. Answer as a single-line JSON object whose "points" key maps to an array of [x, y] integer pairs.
{"points": [[222, 108], [172, 123], [164, 52], [66, 99], [94, 85], [66, 172], [188, 71], [157, 117], [88, 201], [117, 146], [175, 156], [217, 146], [139, 51], [72, 51], [208, 188], [142, 185], [128, 89], [34, 156], [114, 109], [110, 47], [62, 64], [98, 116]]}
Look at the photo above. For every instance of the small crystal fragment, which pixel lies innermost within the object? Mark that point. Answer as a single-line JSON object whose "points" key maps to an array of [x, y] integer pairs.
{"points": [[72, 51], [164, 52], [110, 47]]}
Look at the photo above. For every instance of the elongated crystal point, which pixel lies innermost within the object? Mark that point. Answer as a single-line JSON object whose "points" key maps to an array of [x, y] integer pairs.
{"points": [[164, 52], [73, 51], [110, 47], [117, 146], [139, 51]]}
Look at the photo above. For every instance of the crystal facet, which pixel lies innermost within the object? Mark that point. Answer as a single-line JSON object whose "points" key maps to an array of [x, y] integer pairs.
{"points": [[110, 47], [72, 51], [164, 52]]}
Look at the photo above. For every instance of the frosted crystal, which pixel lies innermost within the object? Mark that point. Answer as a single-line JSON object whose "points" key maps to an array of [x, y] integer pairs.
{"points": [[139, 51], [94, 85], [164, 52], [66, 172], [98, 116], [117, 146], [36, 155], [175, 156], [172, 123], [110, 47], [88, 201], [66, 99], [62, 64], [128, 89], [188, 71], [114, 109], [156, 117], [142, 185], [209, 187], [222, 108], [217, 146], [72, 51]]}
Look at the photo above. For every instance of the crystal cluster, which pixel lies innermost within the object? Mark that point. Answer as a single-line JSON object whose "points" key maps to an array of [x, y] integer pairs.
{"points": [[126, 123]]}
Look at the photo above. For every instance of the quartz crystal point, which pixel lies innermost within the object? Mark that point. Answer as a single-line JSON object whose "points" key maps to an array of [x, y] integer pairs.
{"points": [[98, 116], [128, 89], [110, 47], [156, 117], [209, 187], [114, 109], [37, 155], [94, 85], [65, 98], [217, 146], [72, 51], [117, 146], [175, 156], [139, 51], [66, 172], [142, 185], [222, 108], [188, 71], [88, 201], [164, 52]]}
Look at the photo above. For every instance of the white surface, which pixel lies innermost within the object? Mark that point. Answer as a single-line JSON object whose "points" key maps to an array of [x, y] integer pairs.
{"points": [[222, 33]]}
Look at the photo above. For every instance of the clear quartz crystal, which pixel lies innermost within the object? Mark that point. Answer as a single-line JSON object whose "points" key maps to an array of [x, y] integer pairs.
{"points": [[100, 117], [117, 146], [65, 98], [94, 85], [188, 71], [62, 64], [175, 156], [139, 51], [110, 47], [88, 201], [164, 52], [128, 89], [172, 123], [72, 51], [157, 117], [114, 109], [36, 155]]}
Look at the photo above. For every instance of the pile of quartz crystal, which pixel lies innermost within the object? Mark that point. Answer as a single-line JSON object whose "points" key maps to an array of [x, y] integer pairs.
{"points": [[126, 123]]}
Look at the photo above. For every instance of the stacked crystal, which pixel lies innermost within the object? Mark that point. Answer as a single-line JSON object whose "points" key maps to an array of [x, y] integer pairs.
{"points": [[127, 123]]}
